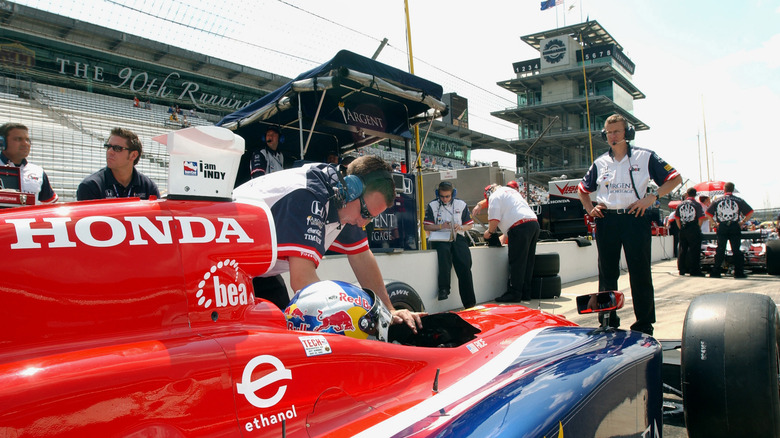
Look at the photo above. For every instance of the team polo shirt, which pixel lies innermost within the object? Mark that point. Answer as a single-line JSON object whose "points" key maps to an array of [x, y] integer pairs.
{"points": [[689, 211], [265, 161], [103, 185], [306, 217], [456, 212], [507, 206], [611, 180], [729, 208], [34, 180]]}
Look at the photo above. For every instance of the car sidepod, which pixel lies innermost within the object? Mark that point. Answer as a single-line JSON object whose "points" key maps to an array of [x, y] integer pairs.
{"points": [[568, 382]]}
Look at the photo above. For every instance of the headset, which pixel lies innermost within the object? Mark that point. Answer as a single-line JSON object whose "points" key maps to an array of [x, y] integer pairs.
{"points": [[629, 133], [347, 189], [3, 133], [446, 186], [277, 131]]}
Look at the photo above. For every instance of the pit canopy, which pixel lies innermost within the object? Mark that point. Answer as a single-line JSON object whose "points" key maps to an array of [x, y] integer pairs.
{"points": [[348, 102]]}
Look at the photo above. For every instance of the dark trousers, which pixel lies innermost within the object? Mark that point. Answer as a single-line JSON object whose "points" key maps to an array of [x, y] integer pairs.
{"points": [[272, 289], [689, 256], [521, 242], [631, 234], [731, 233], [456, 253]]}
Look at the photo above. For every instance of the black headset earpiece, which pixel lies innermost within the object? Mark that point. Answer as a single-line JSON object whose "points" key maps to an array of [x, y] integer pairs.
{"points": [[3, 133]]}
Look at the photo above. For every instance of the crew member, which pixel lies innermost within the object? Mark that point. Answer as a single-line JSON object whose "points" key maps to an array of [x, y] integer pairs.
{"points": [[451, 214], [620, 178], [508, 210], [729, 213], [14, 148], [689, 216], [315, 209], [269, 159], [120, 178]]}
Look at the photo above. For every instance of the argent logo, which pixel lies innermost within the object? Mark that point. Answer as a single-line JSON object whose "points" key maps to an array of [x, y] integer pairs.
{"points": [[248, 387]]}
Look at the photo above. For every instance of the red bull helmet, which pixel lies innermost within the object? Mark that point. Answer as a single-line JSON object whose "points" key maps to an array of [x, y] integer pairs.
{"points": [[338, 307]]}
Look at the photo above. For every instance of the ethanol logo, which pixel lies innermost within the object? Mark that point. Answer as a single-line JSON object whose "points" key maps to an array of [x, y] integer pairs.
{"points": [[271, 378]]}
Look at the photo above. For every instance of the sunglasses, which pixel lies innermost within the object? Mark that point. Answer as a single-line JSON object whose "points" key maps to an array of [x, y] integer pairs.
{"points": [[364, 213], [115, 148]]}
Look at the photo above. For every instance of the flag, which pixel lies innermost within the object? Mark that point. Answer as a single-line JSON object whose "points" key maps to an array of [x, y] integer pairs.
{"points": [[547, 4]]}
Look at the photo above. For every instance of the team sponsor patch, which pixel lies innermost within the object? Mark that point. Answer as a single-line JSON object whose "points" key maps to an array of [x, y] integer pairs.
{"points": [[315, 345]]}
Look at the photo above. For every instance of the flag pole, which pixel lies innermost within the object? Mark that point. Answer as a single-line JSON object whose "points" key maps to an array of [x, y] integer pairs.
{"points": [[418, 164]]}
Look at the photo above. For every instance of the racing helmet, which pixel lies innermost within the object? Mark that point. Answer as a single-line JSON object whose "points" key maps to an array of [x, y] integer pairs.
{"points": [[338, 307]]}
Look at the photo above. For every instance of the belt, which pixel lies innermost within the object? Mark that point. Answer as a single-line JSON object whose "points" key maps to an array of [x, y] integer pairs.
{"points": [[606, 211], [522, 221], [727, 223]]}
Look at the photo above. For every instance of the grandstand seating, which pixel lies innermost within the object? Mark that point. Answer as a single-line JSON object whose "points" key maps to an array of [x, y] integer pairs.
{"points": [[69, 127]]}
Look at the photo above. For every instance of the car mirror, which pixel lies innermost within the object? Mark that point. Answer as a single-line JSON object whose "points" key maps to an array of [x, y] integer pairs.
{"points": [[600, 302]]}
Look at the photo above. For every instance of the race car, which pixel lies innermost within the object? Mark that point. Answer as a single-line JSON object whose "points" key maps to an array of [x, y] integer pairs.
{"points": [[137, 318], [760, 251]]}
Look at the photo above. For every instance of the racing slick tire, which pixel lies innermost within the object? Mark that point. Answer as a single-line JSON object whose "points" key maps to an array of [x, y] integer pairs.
{"points": [[404, 296], [547, 265], [773, 257], [729, 366], [546, 287]]}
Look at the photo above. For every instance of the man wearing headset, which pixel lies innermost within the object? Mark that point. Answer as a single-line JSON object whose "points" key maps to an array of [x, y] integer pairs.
{"points": [[268, 159], [446, 213], [620, 178], [15, 147], [315, 209]]}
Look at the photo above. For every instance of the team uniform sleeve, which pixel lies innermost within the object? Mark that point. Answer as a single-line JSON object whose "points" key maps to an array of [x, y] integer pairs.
{"points": [[257, 164], [351, 240], [300, 231], [465, 217], [47, 195], [429, 219], [589, 184], [711, 210], [660, 170], [744, 207]]}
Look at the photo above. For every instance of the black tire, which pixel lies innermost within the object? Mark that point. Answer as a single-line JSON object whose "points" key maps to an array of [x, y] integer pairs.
{"points": [[404, 296], [546, 287], [773, 257], [729, 366], [547, 265]]}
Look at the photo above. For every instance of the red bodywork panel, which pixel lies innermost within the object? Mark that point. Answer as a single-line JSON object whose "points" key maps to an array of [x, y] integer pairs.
{"points": [[137, 318]]}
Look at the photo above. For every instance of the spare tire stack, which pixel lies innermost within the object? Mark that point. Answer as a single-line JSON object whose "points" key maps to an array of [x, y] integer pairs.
{"points": [[546, 283]]}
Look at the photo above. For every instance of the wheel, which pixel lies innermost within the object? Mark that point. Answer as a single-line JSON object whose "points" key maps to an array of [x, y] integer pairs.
{"points": [[773, 257], [546, 287], [547, 265], [404, 296], [729, 366]]}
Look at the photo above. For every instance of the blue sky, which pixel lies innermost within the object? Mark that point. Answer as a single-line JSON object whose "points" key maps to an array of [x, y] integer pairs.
{"points": [[692, 58]]}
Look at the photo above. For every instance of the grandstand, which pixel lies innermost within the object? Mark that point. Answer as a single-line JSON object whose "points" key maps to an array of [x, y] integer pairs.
{"points": [[69, 127]]}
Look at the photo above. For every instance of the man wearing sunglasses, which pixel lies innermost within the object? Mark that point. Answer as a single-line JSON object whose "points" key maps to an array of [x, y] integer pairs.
{"points": [[315, 208], [120, 178]]}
